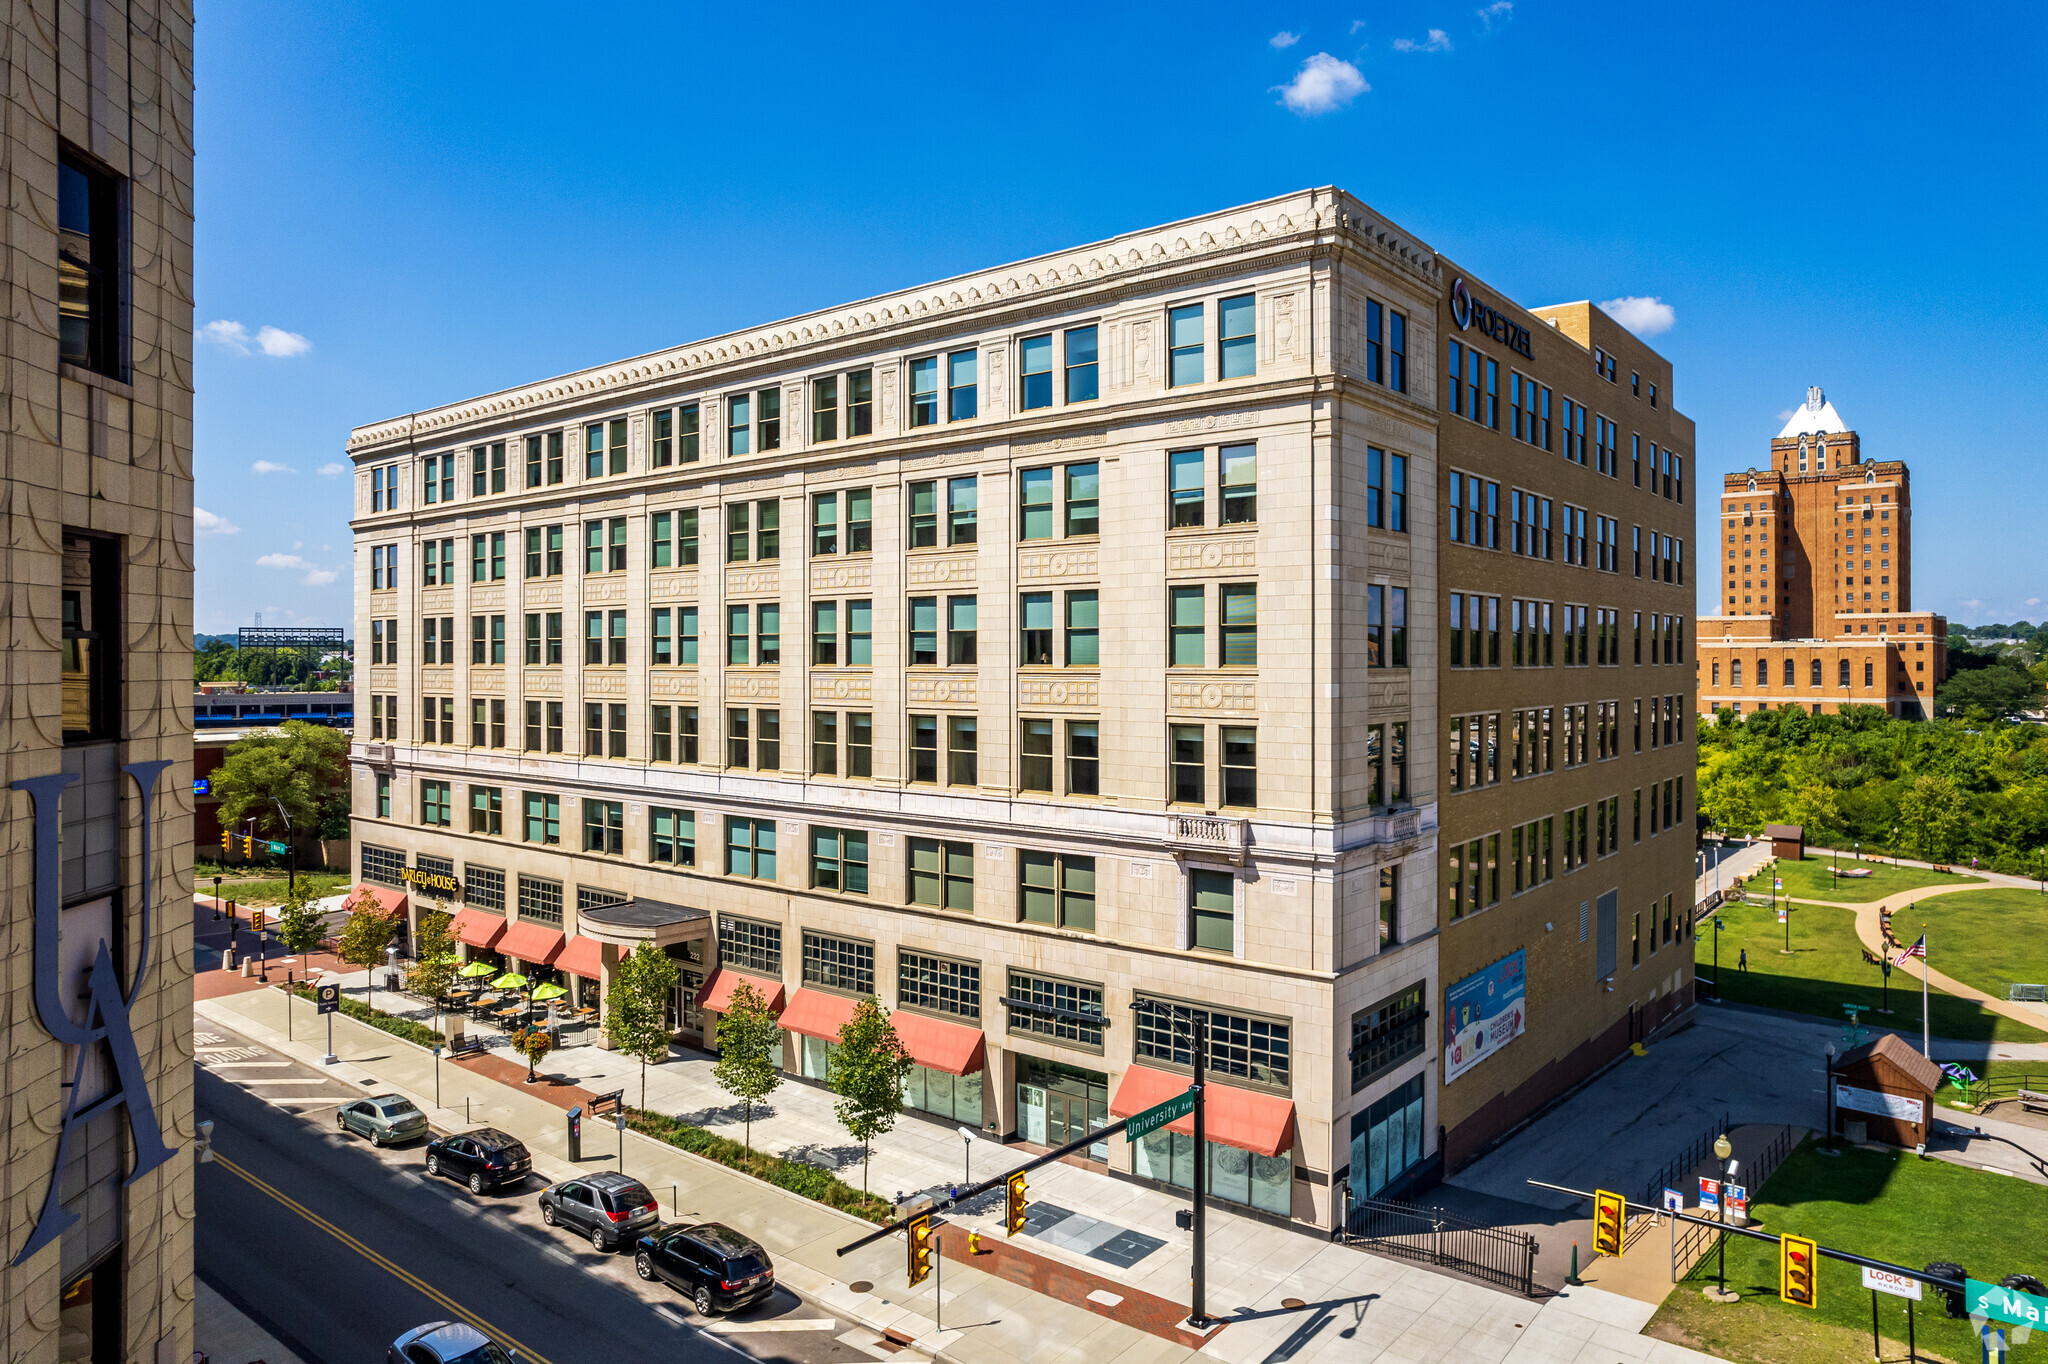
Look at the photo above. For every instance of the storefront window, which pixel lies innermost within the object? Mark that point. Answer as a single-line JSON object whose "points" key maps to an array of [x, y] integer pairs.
{"points": [[816, 1061], [1235, 1175], [957, 1097], [1386, 1141]]}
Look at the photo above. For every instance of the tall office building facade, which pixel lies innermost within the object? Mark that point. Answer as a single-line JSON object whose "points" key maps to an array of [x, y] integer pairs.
{"points": [[1051, 652], [1817, 593], [97, 875]]}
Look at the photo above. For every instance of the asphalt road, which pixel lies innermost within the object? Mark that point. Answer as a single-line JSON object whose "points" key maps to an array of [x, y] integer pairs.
{"points": [[336, 1248]]}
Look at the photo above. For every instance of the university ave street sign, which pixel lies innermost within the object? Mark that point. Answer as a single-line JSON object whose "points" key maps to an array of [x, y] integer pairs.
{"points": [[276, 849], [1982, 1299], [1152, 1119]]}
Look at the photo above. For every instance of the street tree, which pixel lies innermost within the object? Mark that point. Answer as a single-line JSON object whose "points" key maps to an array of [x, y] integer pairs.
{"points": [[1935, 816], [366, 934], [295, 766], [748, 1043], [866, 1071], [299, 925], [636, 1008], [434, 969]]}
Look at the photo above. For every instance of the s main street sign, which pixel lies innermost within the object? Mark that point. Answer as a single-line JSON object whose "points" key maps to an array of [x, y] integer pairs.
{"points": [[1999, 1303]]}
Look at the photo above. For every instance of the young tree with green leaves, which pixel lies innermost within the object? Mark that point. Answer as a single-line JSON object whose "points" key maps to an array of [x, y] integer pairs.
{"points": [[867, 1071], [297, 766], [748, 1044], [636, 1008], [300, 926], [365, 935], [434, 968], [1935, 816]]}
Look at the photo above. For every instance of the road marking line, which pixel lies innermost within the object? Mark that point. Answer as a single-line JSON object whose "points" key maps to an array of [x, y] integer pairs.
{"points": [[241, 1065], [741, 1328], [391, 1267], [557, 1253], [314, 1080]]}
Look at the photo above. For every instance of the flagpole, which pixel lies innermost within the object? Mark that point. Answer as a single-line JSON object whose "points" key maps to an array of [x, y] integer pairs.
{"points": [[1926, 1028]]}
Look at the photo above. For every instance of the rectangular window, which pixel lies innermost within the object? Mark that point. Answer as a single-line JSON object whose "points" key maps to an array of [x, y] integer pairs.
{"points": [[749, 850], [960, 632], [1387, 1034], [962, 503], [1212, 911], [1240, 486], [924, 515], [1187, 626], [962, 762], [1240, 766], [1375, 342], [1035, 752], [824, 410], [1084, 758], [1083, 630], [1237, 333], [604, 826], [938, 984], [924, 748], [738, 636], [1186, 477], [1034, 505], [540, 900], [860, 744], [1386, 505], [1057, 889], [768, 425], [962, 387], [924, 632], [661, 644], [860, 624], [1083, 499], [1056, 1009], [1034, 372], [1036, 630], [739, 424], [860, 402], [1238, 625], [750, 945], [768, 633], [1081, 360], [839, 861], [434, 800], [845, 964], [661, 448], [824, 524], [738, 739], [1188, 759], [942, 874], [824, 743], [543, 818], [1184, 327], [1397, 351], [824, 633], [924, 392], [672, 836]]}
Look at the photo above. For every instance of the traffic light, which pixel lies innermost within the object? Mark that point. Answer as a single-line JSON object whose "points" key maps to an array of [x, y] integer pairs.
{"points": [[1796, 1283], [255, 921], [1610, 1218], [920, 1250], [226, 840], [248, 846], [1013, 1204]]}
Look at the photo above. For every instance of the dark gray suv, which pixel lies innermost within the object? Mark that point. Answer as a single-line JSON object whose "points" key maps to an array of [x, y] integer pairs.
{"points": [[607, 1207]]}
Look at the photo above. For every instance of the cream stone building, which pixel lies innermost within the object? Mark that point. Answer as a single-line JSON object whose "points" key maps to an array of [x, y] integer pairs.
{"points": [[1036, 650], [98, 571]]}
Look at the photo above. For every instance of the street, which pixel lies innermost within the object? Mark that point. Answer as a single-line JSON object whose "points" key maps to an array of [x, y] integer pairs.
{"points": [[336, 1248]]}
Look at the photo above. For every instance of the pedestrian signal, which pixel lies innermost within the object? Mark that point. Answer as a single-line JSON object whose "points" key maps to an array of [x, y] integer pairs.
{"points": [[1610, 1217], [920, 1250], [1796, 1283], [1013, 1204]]}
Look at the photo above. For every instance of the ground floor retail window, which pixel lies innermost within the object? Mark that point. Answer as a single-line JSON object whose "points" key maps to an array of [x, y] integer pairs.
{"points": [[1386, 1140], [815, 1059], [683, 1013], [1059, 1103], [89, 1317], [383, 866], [957, 1097], [1236, 1176]]}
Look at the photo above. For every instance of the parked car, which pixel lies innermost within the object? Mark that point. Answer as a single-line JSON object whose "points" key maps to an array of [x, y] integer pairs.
{"points": [[485, 1158], [721, 1269], [607, 1207], [447, 1342], [388, 1117]]}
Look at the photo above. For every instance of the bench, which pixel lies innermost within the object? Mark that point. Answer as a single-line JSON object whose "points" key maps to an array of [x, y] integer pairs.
{"points": [[469, 1044], [1872, 957], [2033, 1100]]}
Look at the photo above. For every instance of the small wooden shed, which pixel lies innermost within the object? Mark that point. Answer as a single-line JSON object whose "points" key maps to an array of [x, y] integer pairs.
{"points": [[1787, 840], [1889, 1088]]}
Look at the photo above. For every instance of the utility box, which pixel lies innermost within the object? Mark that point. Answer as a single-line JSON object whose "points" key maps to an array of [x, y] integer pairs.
{"points": [[575, 1134]]}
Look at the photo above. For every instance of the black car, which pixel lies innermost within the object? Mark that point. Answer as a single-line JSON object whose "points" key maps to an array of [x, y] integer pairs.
{"points": [[486, 1158], [607, 1207], [721, 1269]]}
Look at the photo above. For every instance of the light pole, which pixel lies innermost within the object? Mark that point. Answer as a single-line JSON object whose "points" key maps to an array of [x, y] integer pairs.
{"points": [[437, 1073], [1723, 1148], [1198, 1314], [967, 1154], [291, 849], [216, 899], [1718, 925], [1828, 1103]]}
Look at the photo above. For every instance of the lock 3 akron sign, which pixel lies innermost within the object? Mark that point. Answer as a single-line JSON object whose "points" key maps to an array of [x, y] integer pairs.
{"points": [[1472, 315]]}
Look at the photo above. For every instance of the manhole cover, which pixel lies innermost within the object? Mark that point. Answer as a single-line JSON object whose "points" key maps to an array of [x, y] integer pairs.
{"points": [[861, 1286], [1291, 1303]]}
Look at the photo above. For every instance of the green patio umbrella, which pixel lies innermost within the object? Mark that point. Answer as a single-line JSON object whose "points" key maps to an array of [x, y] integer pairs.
{"points": [[548, 992], [476, 969], [511, 980]]}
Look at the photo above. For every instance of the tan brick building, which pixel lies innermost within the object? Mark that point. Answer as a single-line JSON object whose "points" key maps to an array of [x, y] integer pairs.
{"points": [[1022, 648], [98, 571], [1821, 545]]}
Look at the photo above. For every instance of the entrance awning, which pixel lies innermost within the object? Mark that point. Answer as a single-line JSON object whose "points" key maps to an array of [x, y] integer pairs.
{"points": [[583, 957], [1260, 1123], [817, 1014], [951, 1047], [392, 902], [534, 944], [716, 993], [477, 928]]}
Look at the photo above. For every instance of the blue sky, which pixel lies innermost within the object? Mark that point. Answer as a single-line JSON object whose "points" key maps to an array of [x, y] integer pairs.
{"points": [[421, 203]]}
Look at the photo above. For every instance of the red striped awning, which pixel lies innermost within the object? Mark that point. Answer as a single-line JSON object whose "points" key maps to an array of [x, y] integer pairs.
{"points": [[716, 994], [1260, 1123], [817, 1014], [534, 944], [583, 957], [951, 1047], [477, 928]]}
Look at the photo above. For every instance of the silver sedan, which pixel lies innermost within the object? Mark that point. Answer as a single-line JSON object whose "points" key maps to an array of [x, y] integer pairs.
{"points": [[385, 1118]]}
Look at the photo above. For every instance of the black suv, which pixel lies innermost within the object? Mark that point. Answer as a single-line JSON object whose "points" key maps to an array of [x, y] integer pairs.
{"points": [[486, 1158], [608, 1207], [721, 1269]]}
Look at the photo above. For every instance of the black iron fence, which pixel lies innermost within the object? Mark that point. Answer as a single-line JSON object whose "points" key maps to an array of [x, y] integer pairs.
{"points": [[1679, 1168], [1691, 1240], [1433, 1236]]}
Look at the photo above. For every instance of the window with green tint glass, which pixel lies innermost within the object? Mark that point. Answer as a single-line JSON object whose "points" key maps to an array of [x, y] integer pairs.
{"points": [[687, 432], [924, 392], [739, 424], [1240, 624], [1240, 766], [768, 633], [661, 446], [1035, 371], [1184, 327], [924, 632], [686, 537], [660, 540], [686, 636], [1084, 758], [963, 392], [962, 514], [825, 524], [1240, 484], [672, 837], [736, 537], [1082, 630], [960, 632], [750, 848], [860, 520], [1186, 475], [1057, 889], [737, 636], [604, 826], [924, 748], [543, 818], [618, 445], [1083, 506], [1081, 373], [1035, 643], [963, 759], [860, 626], [860, 402], [1188, 628], [839, 860], [1034, 771], [1212, 903], [1034, 504], [1190, 765], [593, 450], [661, 641], [824, 633], [942, 874], [824, 409], [924, 515], [1237, 330]]}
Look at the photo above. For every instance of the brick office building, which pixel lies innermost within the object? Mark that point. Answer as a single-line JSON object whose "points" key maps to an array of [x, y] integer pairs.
{"points": [[1817, 573]]}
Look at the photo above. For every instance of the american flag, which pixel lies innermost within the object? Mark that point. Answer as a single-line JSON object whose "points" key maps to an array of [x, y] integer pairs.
{"points": [[1918, 949]]}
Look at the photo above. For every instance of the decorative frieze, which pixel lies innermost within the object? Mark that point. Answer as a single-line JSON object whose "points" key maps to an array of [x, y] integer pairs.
{"points": [[855, 575], [604, 591], [604, 684], [543, 594], [1392, 694], [541, 684], [383, 679], [487, 598], [1215, 421], [488, 681], [941, 691], [437, 681], [435, 601], [1210, 695], [1059, 563], [1207, 554], [673, 586], [1080, 692], [664, 685], [766, 685], [842, 687], [1088, 440], [928, 570], [753, 582]]}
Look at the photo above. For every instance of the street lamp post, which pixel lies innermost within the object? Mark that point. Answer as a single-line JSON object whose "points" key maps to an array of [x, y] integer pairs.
{"points": [[1718, 925], [967, 1153], [1198, 1314], [1828, 1104], [1723, 1148], [437, 1075]]}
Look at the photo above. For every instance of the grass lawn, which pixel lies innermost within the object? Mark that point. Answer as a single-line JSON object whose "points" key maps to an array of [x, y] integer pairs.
{"points": [[1814, 879], [1826, 970], [1887, 1205], [2010, 1074], [1985, 938], [267, 890]]}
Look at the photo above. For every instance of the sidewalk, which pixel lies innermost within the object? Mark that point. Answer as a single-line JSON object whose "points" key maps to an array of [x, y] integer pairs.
{"points": [[225, 1335], [1280, 1292]]}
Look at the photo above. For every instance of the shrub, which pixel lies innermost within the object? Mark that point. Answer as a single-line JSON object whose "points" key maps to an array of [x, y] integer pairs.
{"points": [[377, 1018], [819, 1185]]}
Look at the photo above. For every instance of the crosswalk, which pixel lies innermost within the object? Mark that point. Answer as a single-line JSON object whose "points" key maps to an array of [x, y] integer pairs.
{"points": [[293, 1094]]}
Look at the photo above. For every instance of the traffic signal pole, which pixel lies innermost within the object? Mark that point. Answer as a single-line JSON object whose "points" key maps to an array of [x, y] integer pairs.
{"points": [[1198, 1316]]}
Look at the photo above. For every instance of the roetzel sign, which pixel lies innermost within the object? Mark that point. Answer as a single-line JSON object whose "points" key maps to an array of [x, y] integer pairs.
{"points": [[1468, 312]]}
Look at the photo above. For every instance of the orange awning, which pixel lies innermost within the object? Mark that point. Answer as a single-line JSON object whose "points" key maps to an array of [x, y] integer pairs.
{"points": [[476, 928], [390, 901], [951, 1047], [716, 993], [583, 957], [817, 1014], [534, 944], [1259, 1123]]}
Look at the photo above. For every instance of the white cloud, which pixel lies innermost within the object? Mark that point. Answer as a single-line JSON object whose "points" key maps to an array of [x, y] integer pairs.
{"points": [[316, 576], [321, 577], [265, 466], [1323, 84], [205, 522], [1357, 24], [275, 342], [1786, 415], [1645, 316], [332, 468], [1437, 41], [1284, 39], [1501, 10]]}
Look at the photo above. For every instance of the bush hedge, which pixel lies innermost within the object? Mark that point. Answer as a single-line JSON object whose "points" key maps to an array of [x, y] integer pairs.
{"points": [[377, 1018], [817, 1184]]}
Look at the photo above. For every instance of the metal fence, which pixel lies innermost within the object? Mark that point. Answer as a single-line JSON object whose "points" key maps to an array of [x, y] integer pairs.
{"points": [[1691, 1241], [2031, 994], [1436, 1237], [1680, 1166]]}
